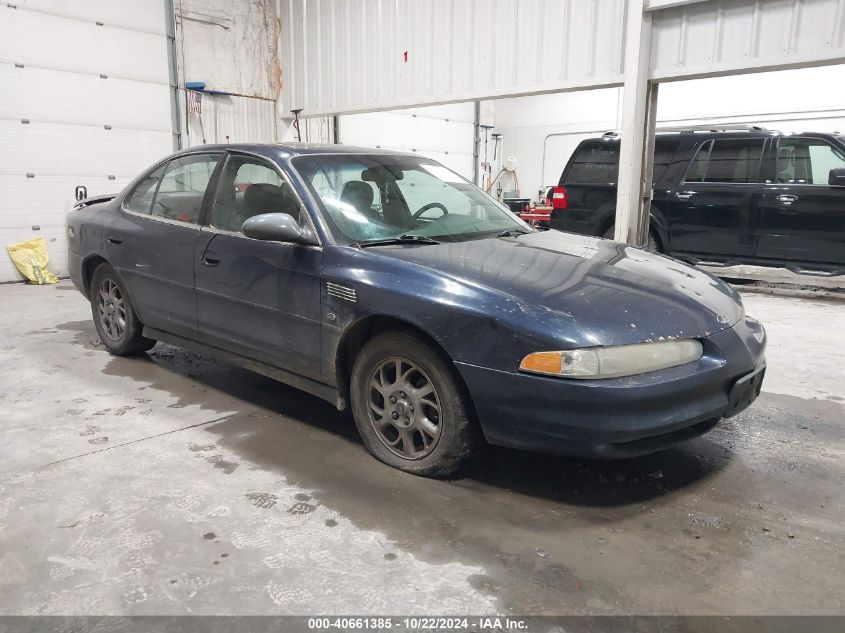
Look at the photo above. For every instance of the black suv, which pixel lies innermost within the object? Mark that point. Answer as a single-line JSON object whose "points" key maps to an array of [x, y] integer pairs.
{"points": [[725, 196]]}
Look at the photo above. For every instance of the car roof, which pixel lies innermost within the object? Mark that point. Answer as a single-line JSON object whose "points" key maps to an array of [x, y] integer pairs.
{"points": [[289, 149]]}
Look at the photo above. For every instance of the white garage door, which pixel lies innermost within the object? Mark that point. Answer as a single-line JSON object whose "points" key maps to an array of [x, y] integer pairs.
{"points": [[85, 101], [445, 133]]}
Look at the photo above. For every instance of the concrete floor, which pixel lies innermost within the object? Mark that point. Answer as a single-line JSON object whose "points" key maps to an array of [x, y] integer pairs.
{"points": [[173, 484]]}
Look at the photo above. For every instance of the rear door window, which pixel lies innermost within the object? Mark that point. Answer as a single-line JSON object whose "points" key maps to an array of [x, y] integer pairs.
{"points": [[141, 198], [183, 186], [664, 154], [594, 164], [730, 160]]}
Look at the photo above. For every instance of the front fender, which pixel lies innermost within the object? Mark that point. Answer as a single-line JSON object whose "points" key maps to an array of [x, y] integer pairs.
{"points": [[473, 324]]}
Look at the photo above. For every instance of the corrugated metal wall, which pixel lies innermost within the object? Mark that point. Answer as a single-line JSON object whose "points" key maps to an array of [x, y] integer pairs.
{"points": [[710, 38], [349, 55], [233, 119]]}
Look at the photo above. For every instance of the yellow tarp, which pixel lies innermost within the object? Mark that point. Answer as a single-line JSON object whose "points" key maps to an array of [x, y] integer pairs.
{"points": [[31, 259]]}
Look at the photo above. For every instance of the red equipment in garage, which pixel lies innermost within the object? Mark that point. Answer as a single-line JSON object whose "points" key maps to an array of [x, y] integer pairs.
{"points": [[540, 214]]}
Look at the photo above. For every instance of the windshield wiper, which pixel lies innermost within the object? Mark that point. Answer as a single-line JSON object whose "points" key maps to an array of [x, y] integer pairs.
{"points": [[405, 238], [513, 233]]}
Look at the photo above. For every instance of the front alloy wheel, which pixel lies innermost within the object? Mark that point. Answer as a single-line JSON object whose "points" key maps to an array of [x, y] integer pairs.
{"points": [[410, 406], [404, 408]]}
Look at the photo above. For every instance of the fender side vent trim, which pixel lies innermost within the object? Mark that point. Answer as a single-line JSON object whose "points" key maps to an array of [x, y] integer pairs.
{"points": [[341, 292]]}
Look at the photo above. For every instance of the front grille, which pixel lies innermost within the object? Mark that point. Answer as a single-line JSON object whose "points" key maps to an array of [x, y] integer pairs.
{"points": [[341, 292]]}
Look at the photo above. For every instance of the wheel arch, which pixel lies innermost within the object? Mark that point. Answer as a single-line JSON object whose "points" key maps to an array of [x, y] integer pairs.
{"points": [[356, 336], [657, 225], [660, 226], [89, 265]]}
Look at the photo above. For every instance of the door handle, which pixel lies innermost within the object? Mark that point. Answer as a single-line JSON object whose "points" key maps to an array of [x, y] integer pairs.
{"points": [[113, 239], [685, 195], [211, 260], [787, 198]]}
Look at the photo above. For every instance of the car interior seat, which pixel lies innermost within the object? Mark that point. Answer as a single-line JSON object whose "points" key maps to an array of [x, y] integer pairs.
{"points": [[360, 195], [266, 198], [786, 165], [794, 165]]}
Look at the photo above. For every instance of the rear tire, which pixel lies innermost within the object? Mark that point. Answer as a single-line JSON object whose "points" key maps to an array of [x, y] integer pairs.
{"points": [[410, 407], [114, 317], [653, 242]]}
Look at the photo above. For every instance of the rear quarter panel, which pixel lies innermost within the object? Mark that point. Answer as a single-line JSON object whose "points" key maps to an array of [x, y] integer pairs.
{"points": [[85, 238]]}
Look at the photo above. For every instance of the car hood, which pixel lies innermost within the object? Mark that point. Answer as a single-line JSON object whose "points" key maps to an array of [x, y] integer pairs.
{"points": [[605, 293]]}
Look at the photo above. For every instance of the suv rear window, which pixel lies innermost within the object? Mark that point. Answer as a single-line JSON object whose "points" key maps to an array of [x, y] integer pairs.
{"points": [[598, 163], [594, 164]]}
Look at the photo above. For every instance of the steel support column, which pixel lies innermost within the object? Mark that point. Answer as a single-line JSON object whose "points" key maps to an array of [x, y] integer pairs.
{"points": [[173, 68], [476, 143], [639, 112]]}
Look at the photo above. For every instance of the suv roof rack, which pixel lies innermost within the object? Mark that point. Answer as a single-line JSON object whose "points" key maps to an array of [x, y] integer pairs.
{"points": [[717, 127]]}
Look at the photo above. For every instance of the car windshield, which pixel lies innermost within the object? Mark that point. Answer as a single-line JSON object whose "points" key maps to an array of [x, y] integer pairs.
{"points": [[381, 197]]}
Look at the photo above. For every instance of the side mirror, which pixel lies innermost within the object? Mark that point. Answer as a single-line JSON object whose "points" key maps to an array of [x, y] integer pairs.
{"points": [[836, 177], [275, 227]]}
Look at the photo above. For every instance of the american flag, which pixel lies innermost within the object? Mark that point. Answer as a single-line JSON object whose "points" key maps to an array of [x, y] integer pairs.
{"points": [[194, 101]]}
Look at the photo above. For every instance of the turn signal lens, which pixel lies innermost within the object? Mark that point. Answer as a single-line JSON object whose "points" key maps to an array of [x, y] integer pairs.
{"points": [[613, 362], [542, 363]]}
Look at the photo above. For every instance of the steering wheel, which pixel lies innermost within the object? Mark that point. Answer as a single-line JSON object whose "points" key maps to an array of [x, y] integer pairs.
{"points": [[430, 205]]}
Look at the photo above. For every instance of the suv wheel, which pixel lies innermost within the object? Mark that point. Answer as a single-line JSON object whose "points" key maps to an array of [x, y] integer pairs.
{"points": [[410, 408], [653, 242], [115, 319]]}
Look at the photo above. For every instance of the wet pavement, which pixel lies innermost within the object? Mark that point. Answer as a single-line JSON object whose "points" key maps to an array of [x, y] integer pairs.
{"points": [[175, 484]]}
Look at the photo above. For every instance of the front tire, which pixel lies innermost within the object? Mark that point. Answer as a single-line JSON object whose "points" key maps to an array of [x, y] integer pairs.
{"points": [[410, 407], [114, 317]]}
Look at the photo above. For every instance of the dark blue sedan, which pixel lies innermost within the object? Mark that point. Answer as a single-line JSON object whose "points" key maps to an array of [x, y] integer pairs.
{"points": [[386, 283]]}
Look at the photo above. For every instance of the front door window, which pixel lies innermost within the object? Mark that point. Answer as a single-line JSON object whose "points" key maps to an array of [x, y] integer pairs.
{"points": [[807, 161], [247, 188]]}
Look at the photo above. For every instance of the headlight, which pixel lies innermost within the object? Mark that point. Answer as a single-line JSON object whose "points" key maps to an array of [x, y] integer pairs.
{"points": [[612, 362]]}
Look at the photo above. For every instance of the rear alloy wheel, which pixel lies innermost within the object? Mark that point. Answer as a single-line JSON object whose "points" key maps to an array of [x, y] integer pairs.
{"points": [[115, 320], [112, 309], [653, 244], [410, 407]]}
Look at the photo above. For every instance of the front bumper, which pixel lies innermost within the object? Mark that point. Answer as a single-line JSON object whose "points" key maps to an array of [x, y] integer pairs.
{"points": [[620, 417]]}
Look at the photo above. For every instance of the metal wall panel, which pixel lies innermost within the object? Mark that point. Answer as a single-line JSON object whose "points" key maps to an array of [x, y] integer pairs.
{"points": [[733, 36], [341, 56], [233, 119]]}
